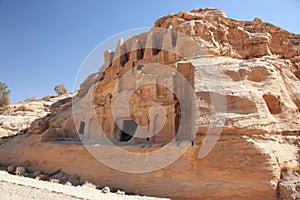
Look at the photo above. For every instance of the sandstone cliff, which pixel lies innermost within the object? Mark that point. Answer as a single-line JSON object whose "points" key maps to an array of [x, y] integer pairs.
{"points": [[258, 79], [258, 65]]}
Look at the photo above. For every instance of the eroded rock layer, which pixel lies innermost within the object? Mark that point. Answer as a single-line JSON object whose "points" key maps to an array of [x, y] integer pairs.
{"points": [[248, 72]]}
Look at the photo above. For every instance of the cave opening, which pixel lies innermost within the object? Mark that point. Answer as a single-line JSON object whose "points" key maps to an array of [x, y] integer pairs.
{"points": [[128, 130]]}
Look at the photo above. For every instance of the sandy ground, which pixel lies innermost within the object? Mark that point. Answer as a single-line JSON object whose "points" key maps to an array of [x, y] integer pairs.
{"points": [[21, 188]]}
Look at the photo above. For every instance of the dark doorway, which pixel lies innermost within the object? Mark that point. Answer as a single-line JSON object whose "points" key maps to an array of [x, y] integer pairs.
{"points": [[81, 127], [128, 131], [178, 116]]}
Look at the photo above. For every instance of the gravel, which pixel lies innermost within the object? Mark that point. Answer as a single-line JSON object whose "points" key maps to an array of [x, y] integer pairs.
{"points": [[21, 188]]}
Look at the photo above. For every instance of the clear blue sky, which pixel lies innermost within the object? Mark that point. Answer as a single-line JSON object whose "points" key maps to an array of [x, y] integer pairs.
{"points": [[44, 42]]}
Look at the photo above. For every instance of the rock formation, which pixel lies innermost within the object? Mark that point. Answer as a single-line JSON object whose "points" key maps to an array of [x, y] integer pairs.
{"points": [[18, 117], [246, 71]]}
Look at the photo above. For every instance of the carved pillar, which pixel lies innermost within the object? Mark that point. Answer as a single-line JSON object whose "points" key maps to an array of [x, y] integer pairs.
{"points": [[108, 58]]}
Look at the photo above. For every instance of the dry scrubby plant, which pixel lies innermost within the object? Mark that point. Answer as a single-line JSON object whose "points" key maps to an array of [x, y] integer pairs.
{"points": [[61, 89], [46, 98], [4, 96], [29, 99]]}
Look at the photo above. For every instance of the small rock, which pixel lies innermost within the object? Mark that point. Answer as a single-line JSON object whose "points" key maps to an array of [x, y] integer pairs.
{"points": [[27, 175], [13, 125], [257, 20], [35, 174], [24, 126], [54, 180], [106, 190], [90, 185], [68, 183], [298, 188], [75, 180], [24, 108], [2, 168], [20, 171], [5, 126], [64, 177], [119, 192], [11, 169], [42, 177]]}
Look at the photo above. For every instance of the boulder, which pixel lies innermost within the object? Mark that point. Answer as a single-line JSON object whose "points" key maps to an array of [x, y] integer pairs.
{"points": [[42, 177], [11, 169], [119, 192], [106, 190], [36, 173], [64, 178], [21, 171]]}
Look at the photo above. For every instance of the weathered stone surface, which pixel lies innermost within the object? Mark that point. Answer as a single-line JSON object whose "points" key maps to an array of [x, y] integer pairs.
{"points": [[289, 185], [242, 168], [248, 72], [227, 37], [108, 58], [18, 117]]}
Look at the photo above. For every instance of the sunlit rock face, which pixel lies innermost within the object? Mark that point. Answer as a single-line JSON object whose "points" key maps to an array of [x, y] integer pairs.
{"points": [[256, 65], [246, 71]]}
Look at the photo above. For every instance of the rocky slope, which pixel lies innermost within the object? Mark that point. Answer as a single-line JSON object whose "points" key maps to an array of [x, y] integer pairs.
{"points": [[258, 68], [18, 117]]}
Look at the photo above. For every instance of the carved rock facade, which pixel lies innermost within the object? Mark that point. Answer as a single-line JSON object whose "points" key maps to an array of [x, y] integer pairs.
{"points": [[257, 66]]}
